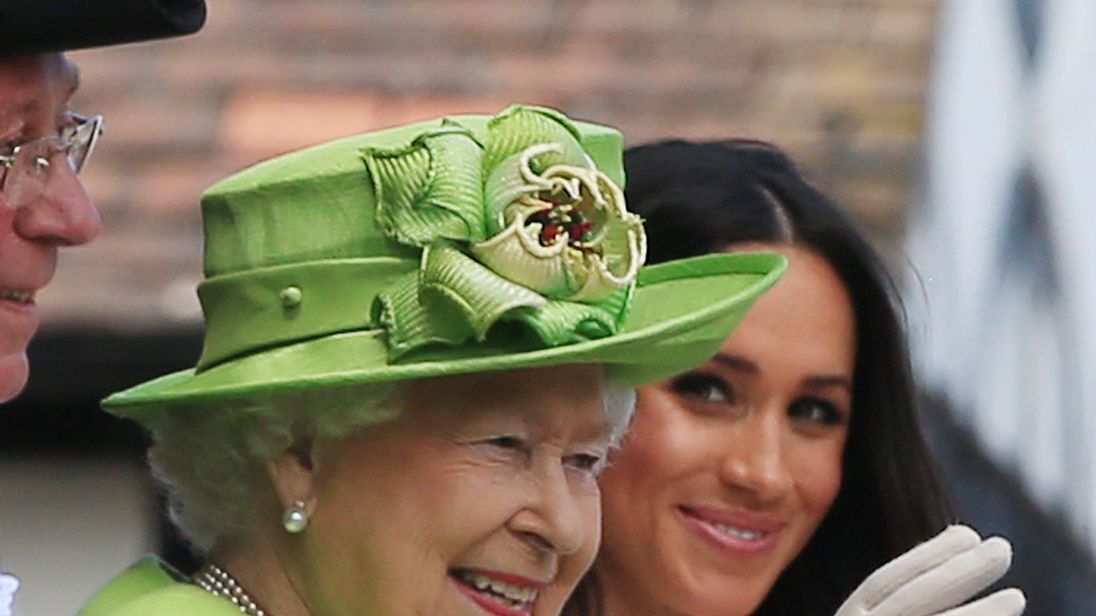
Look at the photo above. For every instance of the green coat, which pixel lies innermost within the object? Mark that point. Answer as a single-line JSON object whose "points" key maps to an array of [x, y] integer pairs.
{"points": [[152, 588]]}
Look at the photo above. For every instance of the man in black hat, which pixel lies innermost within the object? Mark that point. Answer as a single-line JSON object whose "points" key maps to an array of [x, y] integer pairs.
{"points": [[43, 144]]}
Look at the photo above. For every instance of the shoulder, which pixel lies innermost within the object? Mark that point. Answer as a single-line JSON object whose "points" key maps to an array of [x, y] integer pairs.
{"points": [[152, 588], [176, 600]]}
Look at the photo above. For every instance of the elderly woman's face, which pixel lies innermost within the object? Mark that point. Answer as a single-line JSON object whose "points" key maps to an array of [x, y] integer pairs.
{"points": [[479, 499]]}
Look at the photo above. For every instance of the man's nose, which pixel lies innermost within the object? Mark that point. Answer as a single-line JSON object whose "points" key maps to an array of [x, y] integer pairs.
{"points": [[63, 213]]}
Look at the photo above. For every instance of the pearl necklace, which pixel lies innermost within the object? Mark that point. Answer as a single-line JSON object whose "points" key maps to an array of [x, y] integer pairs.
{"points": [[219, 583]]}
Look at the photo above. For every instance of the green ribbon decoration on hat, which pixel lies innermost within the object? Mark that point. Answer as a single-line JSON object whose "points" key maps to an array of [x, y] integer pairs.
{"points": [[521, 227]]}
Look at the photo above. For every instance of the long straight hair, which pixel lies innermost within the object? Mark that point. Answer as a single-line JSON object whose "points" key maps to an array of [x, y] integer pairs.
{"points": [[699, 198]]}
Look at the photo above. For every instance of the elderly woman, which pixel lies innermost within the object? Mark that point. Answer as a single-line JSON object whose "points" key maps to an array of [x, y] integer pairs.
{"points": [[420, 345]]}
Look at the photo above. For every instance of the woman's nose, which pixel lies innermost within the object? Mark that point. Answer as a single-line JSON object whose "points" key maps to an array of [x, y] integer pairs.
{"points": [[553, 520], [755, 461], [63, 214]]}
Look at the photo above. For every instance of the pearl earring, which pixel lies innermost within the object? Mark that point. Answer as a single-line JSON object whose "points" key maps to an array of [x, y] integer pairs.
{"points": [[295, 518]]}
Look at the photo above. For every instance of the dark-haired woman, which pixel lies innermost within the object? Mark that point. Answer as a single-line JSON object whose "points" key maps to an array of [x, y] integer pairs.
{"points": [[777, 476]]}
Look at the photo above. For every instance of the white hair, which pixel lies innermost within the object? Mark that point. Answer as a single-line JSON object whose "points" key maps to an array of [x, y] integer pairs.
{"points": [[620, 404], [211, 457]]}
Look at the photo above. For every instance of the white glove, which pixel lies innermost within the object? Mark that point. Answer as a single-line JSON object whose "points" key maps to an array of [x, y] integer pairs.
{"points": [[8, 585], [937, 576]]}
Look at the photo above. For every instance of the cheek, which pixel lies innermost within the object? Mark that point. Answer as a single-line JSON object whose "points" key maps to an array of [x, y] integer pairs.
{"points": [[379, 503], [460, 503], [632, 475], [360, 516], [590, 505], [574, 566], [13, 374], [401, 526], [662, 456], [657, 446], [474, 504], [818, 475]]}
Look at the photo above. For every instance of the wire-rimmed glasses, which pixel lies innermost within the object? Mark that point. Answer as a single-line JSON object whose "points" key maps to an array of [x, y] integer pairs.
{"points": [[27, 166]]}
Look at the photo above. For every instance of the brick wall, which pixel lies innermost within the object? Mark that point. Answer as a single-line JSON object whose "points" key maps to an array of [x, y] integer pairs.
{"points": [[840, 83]]}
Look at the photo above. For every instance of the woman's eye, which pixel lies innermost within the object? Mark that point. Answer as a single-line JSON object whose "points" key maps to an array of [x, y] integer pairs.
{"points": [[507, 442], [703, 387], [586, 462], [507, 446], [816, 411]]}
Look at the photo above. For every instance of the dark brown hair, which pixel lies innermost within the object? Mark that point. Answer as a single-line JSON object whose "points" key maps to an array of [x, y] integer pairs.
{"points": [[699, 198]]}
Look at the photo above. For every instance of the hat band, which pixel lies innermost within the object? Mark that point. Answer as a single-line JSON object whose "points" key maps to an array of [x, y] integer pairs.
{"points": [[253, 310]]}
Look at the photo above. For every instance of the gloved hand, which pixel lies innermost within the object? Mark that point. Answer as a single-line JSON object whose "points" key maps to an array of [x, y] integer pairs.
{"points": [[938, 575], [8, 585]]}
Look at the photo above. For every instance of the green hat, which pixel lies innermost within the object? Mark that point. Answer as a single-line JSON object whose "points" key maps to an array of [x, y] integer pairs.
{"points": [[460, 245]]}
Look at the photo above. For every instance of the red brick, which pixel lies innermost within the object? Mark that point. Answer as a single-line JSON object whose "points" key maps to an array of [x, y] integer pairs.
{"points": [[839, 83]]}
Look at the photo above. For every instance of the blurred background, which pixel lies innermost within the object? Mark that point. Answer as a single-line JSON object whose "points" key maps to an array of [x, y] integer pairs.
{"points": [[957, 132]]}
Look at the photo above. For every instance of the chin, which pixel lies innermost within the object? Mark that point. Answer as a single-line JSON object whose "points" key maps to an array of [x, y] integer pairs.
{"points": [[14, 371], [728, 595], [737, 604]]}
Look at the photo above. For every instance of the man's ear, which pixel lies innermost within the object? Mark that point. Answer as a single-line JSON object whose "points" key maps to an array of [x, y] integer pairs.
{"points": [[293, 475]]}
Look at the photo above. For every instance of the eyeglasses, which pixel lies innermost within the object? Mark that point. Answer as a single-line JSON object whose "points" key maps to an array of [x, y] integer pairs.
{"points": [[28, 166]]}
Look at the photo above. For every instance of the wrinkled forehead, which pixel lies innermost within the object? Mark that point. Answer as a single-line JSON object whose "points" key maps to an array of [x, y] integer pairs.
{"points": [[570, 398], [36, 86]]}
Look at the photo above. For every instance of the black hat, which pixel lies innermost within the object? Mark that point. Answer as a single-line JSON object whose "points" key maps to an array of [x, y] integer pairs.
{"points": [[41, 26]]}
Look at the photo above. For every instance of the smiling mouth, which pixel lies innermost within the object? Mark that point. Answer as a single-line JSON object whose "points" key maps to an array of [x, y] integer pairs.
{"points": [[510, 597], [731, 536], [738, 533], [17, 296]]}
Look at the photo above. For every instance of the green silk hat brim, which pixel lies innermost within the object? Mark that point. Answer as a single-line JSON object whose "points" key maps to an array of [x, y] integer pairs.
{"points": [[681, 314]]}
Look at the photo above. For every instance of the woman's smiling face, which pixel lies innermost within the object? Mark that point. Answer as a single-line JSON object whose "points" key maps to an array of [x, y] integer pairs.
{"points": [[479, 499], [729, 469]]}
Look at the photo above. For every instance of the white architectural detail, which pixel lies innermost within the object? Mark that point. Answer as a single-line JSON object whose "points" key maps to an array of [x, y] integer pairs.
{"points": [[1004, 314]]}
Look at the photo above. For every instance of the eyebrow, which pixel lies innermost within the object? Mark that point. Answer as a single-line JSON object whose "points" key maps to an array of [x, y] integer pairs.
{"points": [[30, 106], [13, 116], [816, 381], [825, 381], [737, 363], [73, 73]]}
